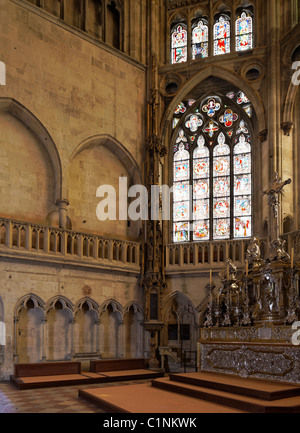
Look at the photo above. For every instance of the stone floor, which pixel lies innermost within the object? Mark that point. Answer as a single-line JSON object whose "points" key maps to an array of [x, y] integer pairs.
{"points": [[50, 400]]}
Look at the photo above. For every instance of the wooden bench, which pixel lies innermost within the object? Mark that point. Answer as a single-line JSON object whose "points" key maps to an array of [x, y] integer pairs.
{"points": [[116, 370], [48, 374]]}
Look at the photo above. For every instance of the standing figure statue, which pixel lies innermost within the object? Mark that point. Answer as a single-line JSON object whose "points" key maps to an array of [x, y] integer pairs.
{"points": [[273, 192]]}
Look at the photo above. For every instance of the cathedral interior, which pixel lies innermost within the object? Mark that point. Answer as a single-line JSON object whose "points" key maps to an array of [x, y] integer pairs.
{"points": [[198, 98]]}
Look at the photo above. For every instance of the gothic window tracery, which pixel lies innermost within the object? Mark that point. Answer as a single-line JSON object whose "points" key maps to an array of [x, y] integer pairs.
{"points": [[197, 36], [212, 170]]}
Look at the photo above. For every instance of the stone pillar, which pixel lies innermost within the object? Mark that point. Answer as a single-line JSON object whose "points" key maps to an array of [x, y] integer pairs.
{"points": [[63, 212], [274, 100]]}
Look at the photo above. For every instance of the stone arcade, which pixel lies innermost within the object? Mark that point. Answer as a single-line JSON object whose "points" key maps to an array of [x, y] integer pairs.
{"points": [[198, 95]]}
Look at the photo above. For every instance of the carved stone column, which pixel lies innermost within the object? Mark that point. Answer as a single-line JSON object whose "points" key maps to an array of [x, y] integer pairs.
{"points": [[63, 211]]}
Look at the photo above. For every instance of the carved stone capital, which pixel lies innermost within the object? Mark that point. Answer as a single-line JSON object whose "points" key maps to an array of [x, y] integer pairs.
{"points": [[262, 136], [287, 128]]}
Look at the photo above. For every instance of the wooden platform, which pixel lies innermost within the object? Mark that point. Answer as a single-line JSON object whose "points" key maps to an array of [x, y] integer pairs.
{"points": [[199, 393], [46, 375], [147, 399]]}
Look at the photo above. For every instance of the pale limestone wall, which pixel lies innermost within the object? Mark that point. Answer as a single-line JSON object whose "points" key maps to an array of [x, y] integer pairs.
{"points": [[76, 87], [27, 176]]}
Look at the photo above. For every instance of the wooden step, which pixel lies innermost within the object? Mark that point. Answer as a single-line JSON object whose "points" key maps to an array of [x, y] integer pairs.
{"points": [[236, 401], [259, 389]]}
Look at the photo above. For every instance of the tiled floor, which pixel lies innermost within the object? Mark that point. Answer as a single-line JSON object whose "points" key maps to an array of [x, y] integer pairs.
{"points": [[49, 400]]}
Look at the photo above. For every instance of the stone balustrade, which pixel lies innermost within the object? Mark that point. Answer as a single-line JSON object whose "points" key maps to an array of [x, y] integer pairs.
{"points": [[22, 236], [189, 256]]}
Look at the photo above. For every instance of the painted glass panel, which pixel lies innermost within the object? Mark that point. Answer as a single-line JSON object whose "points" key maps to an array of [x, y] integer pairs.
{"points": [[182, 154], [242, 227], [242, 128], [221, 187], [201, 168], [181, 171], [242, 205], [181, 211], [242, 164], [211, 128], [222, 148], [242, 146], [221, 229], [201, 189], [242, 98], [242, 185], [201, 151], [181, 232], [211, 107], [222, 207], [181, 109], [221, 166], [201, 230], [244, 35], [200, 40], [179, 44], [201, 210], [228, 118], [181, 191], [222, 36], [194, 122]]}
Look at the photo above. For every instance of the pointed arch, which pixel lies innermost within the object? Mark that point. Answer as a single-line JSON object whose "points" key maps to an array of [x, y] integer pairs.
{"points": [[66, 304], [226, 75], [184, 303], [9, 105], [117, 149], [115, 305], [22, 303], [92, 305]]}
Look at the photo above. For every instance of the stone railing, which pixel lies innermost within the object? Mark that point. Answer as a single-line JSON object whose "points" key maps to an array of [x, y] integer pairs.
{"points": [[189, 256], [26, 237]]}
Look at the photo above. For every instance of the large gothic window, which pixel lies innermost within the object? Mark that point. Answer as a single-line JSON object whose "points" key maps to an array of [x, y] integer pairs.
{"points": [[179, 44], [212, 169], [244, 31]]}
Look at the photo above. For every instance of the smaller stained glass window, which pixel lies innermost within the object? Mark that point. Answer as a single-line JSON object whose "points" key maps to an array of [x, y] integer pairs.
{"points": [[200, 39], [179, 44], [244, 32], [222, 35]]}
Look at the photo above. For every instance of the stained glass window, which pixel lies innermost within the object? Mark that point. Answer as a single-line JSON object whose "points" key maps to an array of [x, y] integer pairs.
{"points": [[244, 32], [212, 172], [200, 39], [179, 44], [222, 35]]}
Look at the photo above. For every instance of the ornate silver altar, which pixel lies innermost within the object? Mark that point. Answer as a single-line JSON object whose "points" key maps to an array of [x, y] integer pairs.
{"points": [[248, 326]]}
